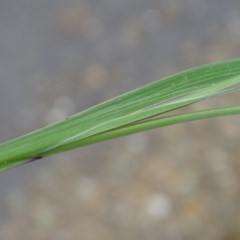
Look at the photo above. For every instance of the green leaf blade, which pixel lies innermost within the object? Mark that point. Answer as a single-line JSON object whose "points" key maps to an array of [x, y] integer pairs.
{"points": [[156, 98]]}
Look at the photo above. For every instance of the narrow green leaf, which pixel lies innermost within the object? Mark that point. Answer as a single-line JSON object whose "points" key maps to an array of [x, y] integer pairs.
{"points": [[152, 124], [125, 113]]}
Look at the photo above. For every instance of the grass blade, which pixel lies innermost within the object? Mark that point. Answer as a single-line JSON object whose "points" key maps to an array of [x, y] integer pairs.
{"points": [[127, 112]]}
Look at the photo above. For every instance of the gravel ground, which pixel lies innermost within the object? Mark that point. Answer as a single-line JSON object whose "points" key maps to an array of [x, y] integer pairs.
{"points": [[175, 183]]}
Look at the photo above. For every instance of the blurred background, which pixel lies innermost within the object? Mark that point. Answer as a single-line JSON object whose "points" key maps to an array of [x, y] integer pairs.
{"points": [[59, 57]]}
